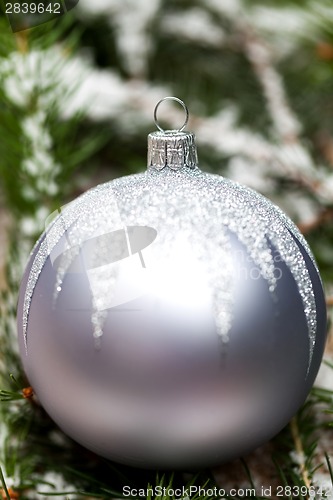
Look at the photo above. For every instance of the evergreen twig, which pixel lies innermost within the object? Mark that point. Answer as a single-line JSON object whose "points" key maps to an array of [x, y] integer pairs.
{"points": [[3, 483], [300, 451]]}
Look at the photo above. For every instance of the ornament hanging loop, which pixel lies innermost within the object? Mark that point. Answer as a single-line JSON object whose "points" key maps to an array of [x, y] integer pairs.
{"points": [[171, 149], [171, 98]]}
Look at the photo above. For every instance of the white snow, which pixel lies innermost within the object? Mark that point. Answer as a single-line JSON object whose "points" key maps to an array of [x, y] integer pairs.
{"points": [[325, 375], [230, 8], [291, 22], [194, 25], [57, 484], [323, 485], [131, 20]]}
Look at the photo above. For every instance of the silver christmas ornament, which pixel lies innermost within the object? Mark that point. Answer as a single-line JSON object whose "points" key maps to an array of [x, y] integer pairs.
{"points": [[173, 318]]}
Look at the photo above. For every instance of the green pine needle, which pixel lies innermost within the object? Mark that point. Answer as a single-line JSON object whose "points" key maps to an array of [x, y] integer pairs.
{"points": [[329, 466], [3, 483], [8, 396]]}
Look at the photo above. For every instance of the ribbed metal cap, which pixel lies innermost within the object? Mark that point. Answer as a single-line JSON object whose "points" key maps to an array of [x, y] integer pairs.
{"points": [[173, 149]]}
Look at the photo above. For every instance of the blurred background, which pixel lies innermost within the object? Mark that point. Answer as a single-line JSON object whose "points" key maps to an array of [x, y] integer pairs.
{"points": [[77, 96]]}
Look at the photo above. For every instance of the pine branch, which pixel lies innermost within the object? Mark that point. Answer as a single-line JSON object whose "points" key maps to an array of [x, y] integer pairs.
{"points": [[286, 125], [19, 394], [237, 93]]}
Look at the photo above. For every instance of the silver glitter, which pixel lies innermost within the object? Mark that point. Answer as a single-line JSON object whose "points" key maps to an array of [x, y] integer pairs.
{"points": [[276, 228], [100, 221], [98, 319], [203, 209]]}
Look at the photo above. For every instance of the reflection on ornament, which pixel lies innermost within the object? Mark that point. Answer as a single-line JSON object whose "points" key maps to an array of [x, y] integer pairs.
{"points": [[203, 299], [96, 257]]}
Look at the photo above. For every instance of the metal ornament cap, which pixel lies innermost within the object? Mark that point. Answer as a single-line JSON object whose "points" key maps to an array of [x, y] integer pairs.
{"points": [[172, 149]]}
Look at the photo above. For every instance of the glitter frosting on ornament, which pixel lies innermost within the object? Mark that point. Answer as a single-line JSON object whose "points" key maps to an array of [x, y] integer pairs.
{"points": [[172, 288], [237, 215]]}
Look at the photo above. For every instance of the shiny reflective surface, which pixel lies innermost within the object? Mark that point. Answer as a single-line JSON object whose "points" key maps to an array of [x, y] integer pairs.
{"points": [[164, 387]]}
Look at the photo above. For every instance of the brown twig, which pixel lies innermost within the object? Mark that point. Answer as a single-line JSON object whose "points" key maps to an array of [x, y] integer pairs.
{"points": [[324, 142], [13, 495], [329, 301], [22, 41], [300, 451], [27, 392], [323, 217]]}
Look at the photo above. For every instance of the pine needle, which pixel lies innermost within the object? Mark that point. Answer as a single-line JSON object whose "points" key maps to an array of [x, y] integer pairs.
{"points": [[4, 487], [329, 466]]}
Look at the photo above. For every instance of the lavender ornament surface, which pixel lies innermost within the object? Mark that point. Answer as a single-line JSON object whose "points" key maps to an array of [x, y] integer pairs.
{"points": [[171, 318]]}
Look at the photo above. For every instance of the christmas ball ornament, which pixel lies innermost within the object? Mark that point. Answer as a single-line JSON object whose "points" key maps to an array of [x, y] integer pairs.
{"points": [[173, 318]]}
